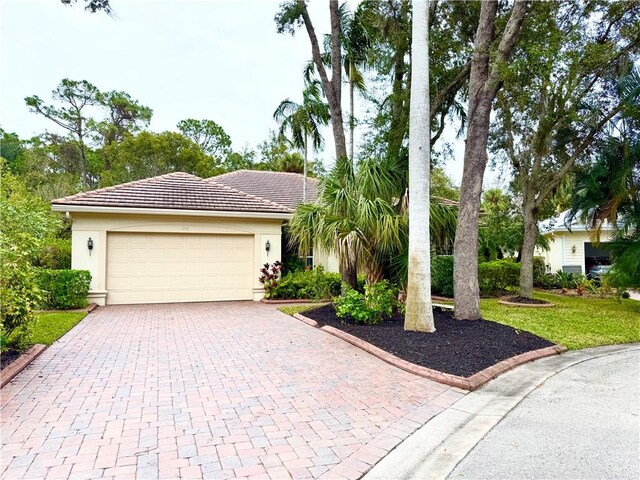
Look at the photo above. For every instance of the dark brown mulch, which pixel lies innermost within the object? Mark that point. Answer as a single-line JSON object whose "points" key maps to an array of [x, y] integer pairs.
{"points": [[526, 301], [7, 357], [457, 347]]}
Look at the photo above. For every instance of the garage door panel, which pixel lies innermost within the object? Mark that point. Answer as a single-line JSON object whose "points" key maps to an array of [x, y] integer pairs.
{"points": [[158, 268]]}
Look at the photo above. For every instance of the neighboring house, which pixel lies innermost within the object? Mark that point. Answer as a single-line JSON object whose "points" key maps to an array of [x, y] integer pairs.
{"points": [[572, 246], [181, 238]]}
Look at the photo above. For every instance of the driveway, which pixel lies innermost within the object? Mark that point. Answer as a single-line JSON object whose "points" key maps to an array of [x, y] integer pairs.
{"points": [[214, 390]]}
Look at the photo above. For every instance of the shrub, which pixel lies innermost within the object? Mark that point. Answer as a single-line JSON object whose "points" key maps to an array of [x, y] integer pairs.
{"points": [[55, 254], [567, 279], [64, 289], [378, 303], [442, 275], [270, 277], [498, 276], [539, 268], [314, 284], [547, 281]]}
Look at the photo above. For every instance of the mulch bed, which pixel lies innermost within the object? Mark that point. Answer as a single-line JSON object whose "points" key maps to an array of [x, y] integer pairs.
{"points": [[457, 347], [526, 301], [7, 357]]}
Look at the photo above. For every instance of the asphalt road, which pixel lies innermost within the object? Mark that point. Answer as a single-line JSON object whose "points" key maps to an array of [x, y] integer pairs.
{"points": [[583, 423]]}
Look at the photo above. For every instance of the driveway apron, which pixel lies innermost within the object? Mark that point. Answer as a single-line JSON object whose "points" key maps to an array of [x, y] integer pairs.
{"points": [[207, 390]]}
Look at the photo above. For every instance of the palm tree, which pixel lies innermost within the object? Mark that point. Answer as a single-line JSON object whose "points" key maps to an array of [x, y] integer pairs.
{"points": [[361, 216], [304, 121], [419, 313]]}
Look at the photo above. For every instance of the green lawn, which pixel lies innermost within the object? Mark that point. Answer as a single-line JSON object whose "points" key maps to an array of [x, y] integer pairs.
{"points": [[49, 327], [575, 322]]}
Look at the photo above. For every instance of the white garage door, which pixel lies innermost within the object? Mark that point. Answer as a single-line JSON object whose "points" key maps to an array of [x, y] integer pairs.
{"points": [[162, 268]]}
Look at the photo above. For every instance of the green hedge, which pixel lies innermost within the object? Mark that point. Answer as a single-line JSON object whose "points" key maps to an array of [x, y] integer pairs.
{"points": [[315, 284], [498, 276], [442, 275], [64, 289]]}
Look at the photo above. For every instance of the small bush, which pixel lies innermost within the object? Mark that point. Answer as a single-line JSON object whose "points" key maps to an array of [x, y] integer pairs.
{"points": [[64, 289], [547, 281], [539, 268], [270, 277], [378, 303], [442, 275], [567, 279], [314, 284], [498, 276]]}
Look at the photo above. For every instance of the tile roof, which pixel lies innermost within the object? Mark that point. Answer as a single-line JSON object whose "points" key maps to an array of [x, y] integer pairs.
{"points": [[279, 187], [179, 191]]}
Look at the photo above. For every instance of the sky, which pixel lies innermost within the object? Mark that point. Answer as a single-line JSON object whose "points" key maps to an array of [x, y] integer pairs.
{"points": [[216, 59]]}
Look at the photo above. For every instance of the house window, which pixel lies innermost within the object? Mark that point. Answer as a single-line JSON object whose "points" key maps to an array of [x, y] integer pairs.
{"points": [[308, 260]]}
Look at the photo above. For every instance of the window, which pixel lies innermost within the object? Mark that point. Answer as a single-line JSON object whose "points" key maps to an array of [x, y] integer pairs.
{"points": [[308, 260]]}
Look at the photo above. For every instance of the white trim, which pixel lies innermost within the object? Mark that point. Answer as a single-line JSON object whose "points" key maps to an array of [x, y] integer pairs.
{"points": [[564, 262], [167, 211], [583, 260]]}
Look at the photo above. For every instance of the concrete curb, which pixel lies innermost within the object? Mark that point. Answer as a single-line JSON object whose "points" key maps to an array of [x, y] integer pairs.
{"points": [[466, 383], [435, 449], [20, 363]]}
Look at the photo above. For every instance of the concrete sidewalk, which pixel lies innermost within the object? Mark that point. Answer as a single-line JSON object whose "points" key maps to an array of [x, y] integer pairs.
{"points": [[569, 416]]}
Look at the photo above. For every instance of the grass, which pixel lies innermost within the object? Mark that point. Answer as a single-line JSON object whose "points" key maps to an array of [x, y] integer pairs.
{"points": [[50, 326], [293, 309], [575, 322]]}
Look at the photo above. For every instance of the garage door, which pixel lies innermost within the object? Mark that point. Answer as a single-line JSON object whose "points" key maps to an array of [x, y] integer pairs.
{"points": [[162, 268]]}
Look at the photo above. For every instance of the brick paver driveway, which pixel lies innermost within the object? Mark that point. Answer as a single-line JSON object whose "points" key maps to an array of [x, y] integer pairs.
{"points": [[214, 390]]}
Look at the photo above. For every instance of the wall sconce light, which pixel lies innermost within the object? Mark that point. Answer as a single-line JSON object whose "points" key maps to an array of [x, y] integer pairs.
{"points": [[90, 245], [267, 247], [573, 249]]}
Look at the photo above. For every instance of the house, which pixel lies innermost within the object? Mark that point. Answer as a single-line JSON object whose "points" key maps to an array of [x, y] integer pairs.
{"points": [[572, 246], [181, 238]]}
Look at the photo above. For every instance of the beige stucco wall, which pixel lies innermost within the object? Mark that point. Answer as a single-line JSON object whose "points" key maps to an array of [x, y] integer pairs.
{"points": [[327, 260], [96, 227], [561, 252]]}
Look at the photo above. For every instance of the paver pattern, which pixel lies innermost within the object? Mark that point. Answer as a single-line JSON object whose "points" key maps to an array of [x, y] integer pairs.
{"points": [[207, 390]]}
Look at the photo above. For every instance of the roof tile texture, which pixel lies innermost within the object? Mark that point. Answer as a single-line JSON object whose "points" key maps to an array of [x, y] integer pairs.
{"points": [[180, 191]]}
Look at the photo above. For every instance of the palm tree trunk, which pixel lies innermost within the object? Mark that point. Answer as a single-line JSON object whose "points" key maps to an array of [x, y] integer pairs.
{"points": [[304, 169], [351, 112], [419, 313]]}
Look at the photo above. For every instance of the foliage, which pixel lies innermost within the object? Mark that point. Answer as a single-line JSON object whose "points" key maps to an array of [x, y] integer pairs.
{"points": [[55, 254], [270, 276], [151, 154], [575, 322], [608, 190], [210, 136], [377, 303], [63, 289], [548, 281], [567, 279], [442, 186], [123, 116], [498, 276], [27, 223], [501, 225], [442, 275], [313, 284]]}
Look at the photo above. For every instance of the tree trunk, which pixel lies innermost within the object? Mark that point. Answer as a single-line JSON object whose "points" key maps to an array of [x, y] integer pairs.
{"points": [[528, 249], [419, 312], [351, 112], [484, 84], [466, 290], [304, 169]]}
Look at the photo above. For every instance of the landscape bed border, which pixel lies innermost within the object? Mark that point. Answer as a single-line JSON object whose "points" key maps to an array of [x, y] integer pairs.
{"points": [[471, 383]]}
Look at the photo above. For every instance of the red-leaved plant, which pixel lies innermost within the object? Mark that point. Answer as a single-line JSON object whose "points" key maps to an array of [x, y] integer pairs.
{"points": [[269, 277]]}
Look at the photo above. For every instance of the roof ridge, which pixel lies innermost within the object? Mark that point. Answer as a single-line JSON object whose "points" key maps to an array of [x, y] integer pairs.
{"points": [[242, 170], [264, 200], [126, 184]]}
